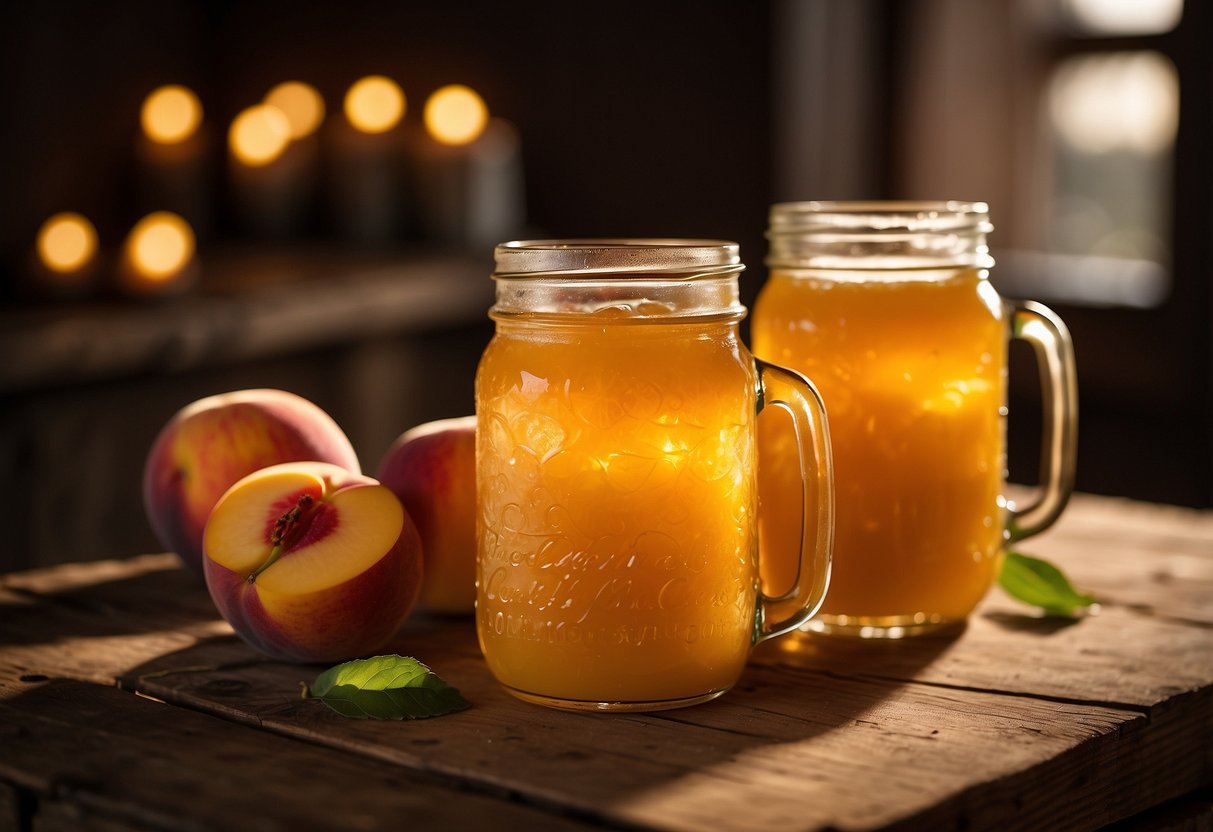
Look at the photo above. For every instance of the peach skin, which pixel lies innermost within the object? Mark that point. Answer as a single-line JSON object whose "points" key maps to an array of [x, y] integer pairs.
{"points": [[210, 444], [311, 563], [432, 469]]}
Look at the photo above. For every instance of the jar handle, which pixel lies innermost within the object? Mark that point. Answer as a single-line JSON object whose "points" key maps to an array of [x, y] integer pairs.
{"points": [[1045, 331], [780, 387]]}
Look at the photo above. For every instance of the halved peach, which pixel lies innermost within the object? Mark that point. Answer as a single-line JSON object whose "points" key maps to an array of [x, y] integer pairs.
{"points": [[209, 445], [309, 562]]}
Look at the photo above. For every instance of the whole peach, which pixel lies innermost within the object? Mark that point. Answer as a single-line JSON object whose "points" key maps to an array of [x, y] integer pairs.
{"points": [[432, 469], [209, 445], [311, 563]]}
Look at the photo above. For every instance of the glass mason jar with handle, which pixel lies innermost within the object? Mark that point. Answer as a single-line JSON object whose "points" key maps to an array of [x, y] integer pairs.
{"points": [[888, 307], [616, 477]]}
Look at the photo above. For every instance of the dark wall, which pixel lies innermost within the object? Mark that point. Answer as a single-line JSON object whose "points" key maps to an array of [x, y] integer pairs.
{"points": [[637, 118]]}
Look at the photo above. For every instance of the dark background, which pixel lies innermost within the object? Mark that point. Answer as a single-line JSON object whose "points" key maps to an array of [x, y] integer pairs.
{"points": [[637, 119]]}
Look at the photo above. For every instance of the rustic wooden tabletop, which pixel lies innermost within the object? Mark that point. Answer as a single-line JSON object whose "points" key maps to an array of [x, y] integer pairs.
{"points": [[125, 703]]}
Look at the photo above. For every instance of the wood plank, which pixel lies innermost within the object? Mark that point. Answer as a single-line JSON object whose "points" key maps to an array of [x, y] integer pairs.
{"points": [[1120, 657], [1128, 654], [796, 748], [1192, 813], [1156, 559], [263, 693], [1014, 722], [1125, 518], [103, 757], [1151, 567], [90, 621]]}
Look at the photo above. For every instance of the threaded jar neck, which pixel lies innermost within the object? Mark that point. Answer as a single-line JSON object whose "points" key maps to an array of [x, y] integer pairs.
{"points": [[622, 280], [858, 236]]}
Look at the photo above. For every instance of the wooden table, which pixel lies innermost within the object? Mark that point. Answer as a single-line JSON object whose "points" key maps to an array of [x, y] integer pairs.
{"points": [[125, 703]]}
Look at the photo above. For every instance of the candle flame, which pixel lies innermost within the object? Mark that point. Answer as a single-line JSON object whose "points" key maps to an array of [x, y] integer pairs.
{"points": [[66, 242], [259, 135], [455, 114], [160, 245], [170, 114], [302, 105], [374, 104]]}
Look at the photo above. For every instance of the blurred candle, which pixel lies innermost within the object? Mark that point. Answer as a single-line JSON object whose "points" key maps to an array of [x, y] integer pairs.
{"points": [[65, 256], [302, 105], [170, 115], [469, 172], [66, 243], [368, 185], [158, 257], [272, 178], [455, 115], [374, 104], [172, 155], [259, 135]]}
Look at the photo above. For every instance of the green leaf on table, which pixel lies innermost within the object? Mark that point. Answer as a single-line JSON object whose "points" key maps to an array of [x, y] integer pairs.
{"points": [[1041, 584], [385, 687]]}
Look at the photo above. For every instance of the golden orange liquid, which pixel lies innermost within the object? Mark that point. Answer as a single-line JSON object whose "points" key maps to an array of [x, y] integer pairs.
{"points": [[616, 532], [912, 370]]}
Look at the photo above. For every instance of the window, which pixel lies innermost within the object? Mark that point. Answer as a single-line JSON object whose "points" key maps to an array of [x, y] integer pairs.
{"points": [[1087, 125], [1107, 117]]}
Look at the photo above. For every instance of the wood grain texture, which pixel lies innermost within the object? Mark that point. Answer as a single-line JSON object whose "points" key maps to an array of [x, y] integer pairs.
{"points": [[1013, 722], [796, 748], [96, 757]]}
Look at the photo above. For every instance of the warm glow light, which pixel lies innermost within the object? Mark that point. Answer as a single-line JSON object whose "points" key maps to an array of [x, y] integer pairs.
{"points": [[170, 114], [66, 242], [1118, 101], [1126, 17], [301, 104], [455, 114], [160, 245], [259, 135], [374, 104]]}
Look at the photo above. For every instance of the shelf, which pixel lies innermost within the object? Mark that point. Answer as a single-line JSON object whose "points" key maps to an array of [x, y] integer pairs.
{"points": [[250, 303]]}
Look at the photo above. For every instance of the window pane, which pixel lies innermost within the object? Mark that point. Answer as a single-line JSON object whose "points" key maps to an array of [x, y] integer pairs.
{"points": [[1121, 17], [1112, 120]]}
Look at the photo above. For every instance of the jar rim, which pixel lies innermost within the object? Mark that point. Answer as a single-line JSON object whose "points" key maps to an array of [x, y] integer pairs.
{"points": [[878, 216], [570, 259]]}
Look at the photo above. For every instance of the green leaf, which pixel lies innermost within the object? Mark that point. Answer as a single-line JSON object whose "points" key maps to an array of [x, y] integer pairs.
{"points": [[1040, 583], [385, 687]]}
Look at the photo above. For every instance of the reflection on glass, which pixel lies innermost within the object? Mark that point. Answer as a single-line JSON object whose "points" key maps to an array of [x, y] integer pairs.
{"points": [[1122, 17]]}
